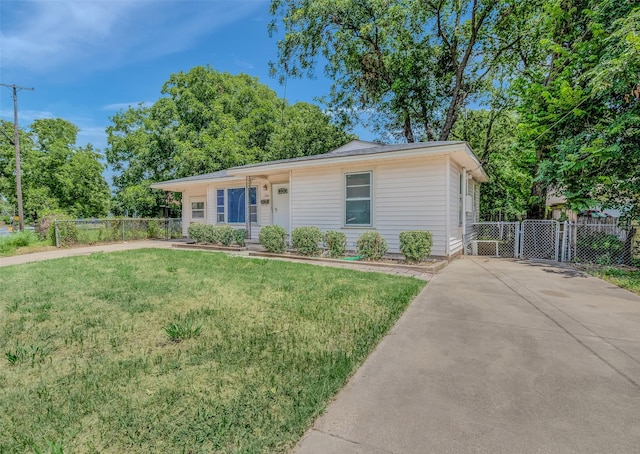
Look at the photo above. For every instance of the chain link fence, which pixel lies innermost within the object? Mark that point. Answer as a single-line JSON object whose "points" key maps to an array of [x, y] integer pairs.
{"points": [[499, 239], [602, 243], [93, 231]]}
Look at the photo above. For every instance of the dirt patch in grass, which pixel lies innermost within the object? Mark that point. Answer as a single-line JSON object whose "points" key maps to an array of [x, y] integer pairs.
{"points": [[87, 361]]}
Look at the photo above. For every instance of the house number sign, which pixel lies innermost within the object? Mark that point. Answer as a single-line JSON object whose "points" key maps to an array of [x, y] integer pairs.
{"points": [[283, 190]]}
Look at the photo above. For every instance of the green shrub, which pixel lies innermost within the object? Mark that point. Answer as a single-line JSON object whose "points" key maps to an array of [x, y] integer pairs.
{"points": [[415, 245], [336, 243], [239, 235], [224, 234], [154, 230], [305, 240], [273, 238], [15, 240], [67, 232], [197, 232], [371, 246]]}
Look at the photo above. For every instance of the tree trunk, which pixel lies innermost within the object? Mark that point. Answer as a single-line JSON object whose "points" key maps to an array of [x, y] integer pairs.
{"points": [[537, 206], [408, 132]]}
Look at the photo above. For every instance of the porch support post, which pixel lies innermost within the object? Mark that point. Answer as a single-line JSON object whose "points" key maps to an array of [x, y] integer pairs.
{"points": [[247, 208]]}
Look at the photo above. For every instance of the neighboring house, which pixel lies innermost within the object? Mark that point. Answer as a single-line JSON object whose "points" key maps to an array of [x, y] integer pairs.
{"points": [[557, 210], [358, 187]]}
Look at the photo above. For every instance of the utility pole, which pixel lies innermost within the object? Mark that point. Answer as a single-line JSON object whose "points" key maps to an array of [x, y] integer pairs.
{"points": [[16, 142]]}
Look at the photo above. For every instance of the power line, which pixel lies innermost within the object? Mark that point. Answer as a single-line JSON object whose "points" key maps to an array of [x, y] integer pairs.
{"points": [[16, 142]]}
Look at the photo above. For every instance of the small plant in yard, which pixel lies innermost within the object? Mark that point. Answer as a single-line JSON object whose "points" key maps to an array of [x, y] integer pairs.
{"points": [[50, 448], [371, 246], [415, 245], [239, 236], [225, 234], [335, 242], [305, 240], [273, 238], [196, 232], [182, 329]]}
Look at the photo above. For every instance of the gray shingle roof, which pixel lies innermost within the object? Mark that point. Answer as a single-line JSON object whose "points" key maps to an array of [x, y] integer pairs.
{"points": [[338, 153]]}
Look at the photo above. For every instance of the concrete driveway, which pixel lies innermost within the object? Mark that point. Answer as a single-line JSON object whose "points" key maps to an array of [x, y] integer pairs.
{"points": [[494, 356]]}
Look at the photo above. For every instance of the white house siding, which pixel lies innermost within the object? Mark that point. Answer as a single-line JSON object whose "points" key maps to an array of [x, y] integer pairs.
{"points": [[195, 193], [407, 195]]}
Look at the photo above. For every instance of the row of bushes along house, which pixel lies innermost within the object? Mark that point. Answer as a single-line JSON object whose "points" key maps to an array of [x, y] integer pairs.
{"points": [[415, 245]]}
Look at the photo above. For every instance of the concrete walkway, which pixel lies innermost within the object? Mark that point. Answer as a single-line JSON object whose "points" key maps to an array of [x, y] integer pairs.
{"points": [[70, 252], [497, 356]]}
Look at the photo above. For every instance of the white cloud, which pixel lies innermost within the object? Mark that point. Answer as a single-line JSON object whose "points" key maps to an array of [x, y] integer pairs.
{"points": [[44, 35], [126, 105], [243, 64], [26, 116]]}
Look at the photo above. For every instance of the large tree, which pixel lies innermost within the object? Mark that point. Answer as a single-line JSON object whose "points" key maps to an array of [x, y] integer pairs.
{"points": [[581, 109], [410, 66], [208, 121], [493, 136], [57, 174]]}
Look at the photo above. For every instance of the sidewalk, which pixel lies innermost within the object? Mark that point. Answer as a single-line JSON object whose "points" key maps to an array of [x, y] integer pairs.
{"points": [[86, 250], [496, 356]]}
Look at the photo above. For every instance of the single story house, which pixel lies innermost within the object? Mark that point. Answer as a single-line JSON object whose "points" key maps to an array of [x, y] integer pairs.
{"points": [[358, 187]]}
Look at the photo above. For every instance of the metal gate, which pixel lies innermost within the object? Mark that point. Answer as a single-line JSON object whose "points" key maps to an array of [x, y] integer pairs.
{"points": [[540, 239], [601, 243]]}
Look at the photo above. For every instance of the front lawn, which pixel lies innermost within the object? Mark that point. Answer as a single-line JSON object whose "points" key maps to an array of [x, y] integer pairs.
{"points": [[181, 351], [628, 278]]}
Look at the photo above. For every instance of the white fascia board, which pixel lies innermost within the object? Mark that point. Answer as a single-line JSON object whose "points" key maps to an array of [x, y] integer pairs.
{"points": [[181, 186]]}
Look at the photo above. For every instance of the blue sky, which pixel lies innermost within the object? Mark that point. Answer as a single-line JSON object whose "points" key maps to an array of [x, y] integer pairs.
{"points": [[88, 59]]}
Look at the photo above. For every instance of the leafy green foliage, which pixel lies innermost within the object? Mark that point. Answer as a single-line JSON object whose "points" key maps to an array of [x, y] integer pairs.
{"points": [[239, 236], [213, 234], [207, 121], [510, 166], [416, 245], [335, 242], [56, 173], [196, 232], [581, 113], [67, 232], [273, 238], [306, 240], [371, 246], [412, 64], [182, 328]]}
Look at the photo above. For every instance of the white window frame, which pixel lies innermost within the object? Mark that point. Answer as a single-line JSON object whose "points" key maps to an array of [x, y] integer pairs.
{"points": [[203, 201], [346, 199], [224, 207], [226, 201]]}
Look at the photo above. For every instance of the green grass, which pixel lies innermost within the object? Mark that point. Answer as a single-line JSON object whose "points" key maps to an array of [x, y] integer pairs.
{"points": [[88, 362], [628, 278], [21, 242]]}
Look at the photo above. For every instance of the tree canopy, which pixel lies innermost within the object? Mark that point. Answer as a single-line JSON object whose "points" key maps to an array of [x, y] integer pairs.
{"points": [[581, 110], [207, 121], [57, 174], [567, 69], [413, 63]]}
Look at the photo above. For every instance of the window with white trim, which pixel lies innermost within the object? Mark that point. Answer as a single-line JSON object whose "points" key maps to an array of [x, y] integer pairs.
{"points": [[357, 202], [220, 205], [197, 210], [236, 205]]}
